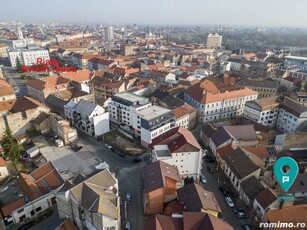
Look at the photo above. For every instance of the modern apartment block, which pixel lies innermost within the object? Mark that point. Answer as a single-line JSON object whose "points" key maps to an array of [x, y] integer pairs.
{"points": [[87, 117], [151, 122], [213, 40], [123, 105], [216, 101]]}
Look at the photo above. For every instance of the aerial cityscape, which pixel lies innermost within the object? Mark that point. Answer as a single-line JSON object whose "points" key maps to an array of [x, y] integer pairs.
{"points": [[163, 115]]}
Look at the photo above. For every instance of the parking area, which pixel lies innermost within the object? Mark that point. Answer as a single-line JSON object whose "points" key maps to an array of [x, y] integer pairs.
{"points": [[67, 161]]}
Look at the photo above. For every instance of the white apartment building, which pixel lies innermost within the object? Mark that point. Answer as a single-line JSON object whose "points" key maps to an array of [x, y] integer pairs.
{"points": [[284, 113], [291, 115], [151, 122], [123, 105], [178, 147], [108, 34], [27, 56], [213, 40], [215, 103], [263, 111], [87, 117]]}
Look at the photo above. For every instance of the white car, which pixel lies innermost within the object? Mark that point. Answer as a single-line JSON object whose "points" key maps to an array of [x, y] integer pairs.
{"points": [[108, 146], [229, 202], [203, 179]]}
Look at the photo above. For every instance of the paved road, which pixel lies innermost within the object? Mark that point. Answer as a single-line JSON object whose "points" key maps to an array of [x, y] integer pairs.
{"points": [[129, 175], [213, 186], [51, 222], [14, 79]]}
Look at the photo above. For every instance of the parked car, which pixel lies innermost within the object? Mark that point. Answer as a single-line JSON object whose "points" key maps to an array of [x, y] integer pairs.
{"points": [[236, 210], [241, 214], [119, 153], [229, 201], [245, 226], [108, 146], [128, 225], [137, 159], [128, 198], [203, 179], [78, 148], [223, 191], [209, 159]]}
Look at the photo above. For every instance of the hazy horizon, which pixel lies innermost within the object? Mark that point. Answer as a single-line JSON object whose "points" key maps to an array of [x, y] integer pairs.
{"points": [[243, 13]]}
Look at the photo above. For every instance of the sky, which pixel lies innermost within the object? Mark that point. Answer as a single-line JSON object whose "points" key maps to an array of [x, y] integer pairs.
{"points": [[262, 13]]}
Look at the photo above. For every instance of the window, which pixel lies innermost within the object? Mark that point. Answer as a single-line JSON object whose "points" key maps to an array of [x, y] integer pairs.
{"points": [[38, 209], [20, 210]]}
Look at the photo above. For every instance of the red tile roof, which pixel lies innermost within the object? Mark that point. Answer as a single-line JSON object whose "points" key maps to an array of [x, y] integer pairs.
{"points": [[8, 209], [50, 82], [39, 182], [296, 214], [208, 92], [2, 162], [79, 76], [178, 140]]}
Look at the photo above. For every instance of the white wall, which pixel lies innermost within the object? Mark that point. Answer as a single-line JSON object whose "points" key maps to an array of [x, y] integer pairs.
{"points": [[101, 124]]}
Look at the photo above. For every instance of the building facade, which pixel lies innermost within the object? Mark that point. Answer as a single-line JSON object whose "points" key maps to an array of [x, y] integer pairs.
{"points": [[214, 103], [87, 117]]}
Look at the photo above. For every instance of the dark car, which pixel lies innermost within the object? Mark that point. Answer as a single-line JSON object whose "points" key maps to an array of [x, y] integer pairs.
{"points": [[137, 159], [120, 154], [26, 226], [209, 159], [223, 191], [78, 148], [236, 210]]}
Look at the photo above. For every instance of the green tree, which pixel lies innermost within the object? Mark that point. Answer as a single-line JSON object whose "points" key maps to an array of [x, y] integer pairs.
{"points": [[10, 146], [305, 87], [188, 180], [18, 64]]}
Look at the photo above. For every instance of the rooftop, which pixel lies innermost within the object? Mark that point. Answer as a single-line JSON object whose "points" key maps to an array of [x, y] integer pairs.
{"points": [[152, 112], [130, 96]]}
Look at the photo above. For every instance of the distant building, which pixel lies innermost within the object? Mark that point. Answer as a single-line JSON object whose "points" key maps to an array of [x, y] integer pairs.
{"points": [[264, 88], [108, 34], [87, 117], [213, 40], [27, 56]]}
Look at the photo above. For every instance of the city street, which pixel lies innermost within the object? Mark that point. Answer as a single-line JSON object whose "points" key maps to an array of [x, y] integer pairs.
{"points": [[129, 175], [14, 79], [213, 186]]}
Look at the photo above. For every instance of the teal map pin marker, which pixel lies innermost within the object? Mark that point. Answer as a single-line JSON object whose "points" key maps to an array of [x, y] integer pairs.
{"points": [[285, 170]]}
